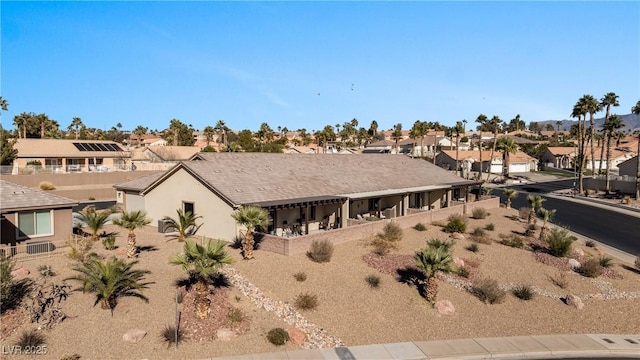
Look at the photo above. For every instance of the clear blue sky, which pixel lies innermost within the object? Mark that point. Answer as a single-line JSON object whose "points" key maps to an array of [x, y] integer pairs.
{"points": [[145, 63]]}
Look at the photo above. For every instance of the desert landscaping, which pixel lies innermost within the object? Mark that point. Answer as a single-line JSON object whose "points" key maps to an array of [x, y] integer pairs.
{"points": [[361, 297]]}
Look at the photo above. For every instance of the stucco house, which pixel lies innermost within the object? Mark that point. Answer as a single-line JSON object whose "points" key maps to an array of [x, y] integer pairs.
{"points": [[470, 161], [559, 157], [33, 216], [562, 157], [303, 193], [629, 167], [61, 155]]}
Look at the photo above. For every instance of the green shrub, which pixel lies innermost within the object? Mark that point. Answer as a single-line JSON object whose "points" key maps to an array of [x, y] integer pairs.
{"points": [[479, 213], [46, 271], [6, 280], [523, 292], [373, 280], [590, 268], [391, 232], [278, 336], [109, 242], [320, 251], [437, 243], [473, 248], [300, 276], [605, 261], [31, 339], [456, 223], [420, 227], [490, 227], [559, 242], [168, 335], [306, 301], [479, 235], [488, 291], [512, 240], [590, 243]]}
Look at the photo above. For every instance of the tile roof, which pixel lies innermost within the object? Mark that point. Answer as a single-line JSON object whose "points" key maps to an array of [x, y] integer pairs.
{"points": [[47, 148], [248, 178], [139, 184], [173, 153], [15, 197], [519, 156]]}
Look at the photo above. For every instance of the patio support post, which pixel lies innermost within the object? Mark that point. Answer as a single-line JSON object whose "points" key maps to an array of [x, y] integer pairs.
{"points": [[344, 214], [306, 220], [429, 200]]}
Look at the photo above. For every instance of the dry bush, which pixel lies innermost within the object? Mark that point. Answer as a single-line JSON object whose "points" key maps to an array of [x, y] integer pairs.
{"points": [[278, 336], [490, 227], [479, 235], [391, 232], [320, 251], [306, 301], [381, 246], [473, 248], [420, 227], [560, 280], [524, 212], [590, 268], [457, 223], [523, 292], [479, 213], [489, 291], [300, 276], [168, 335], [373, 280], [512, 240], [46, 185]]}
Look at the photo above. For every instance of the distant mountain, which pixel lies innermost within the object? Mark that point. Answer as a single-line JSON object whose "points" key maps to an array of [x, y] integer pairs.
{"points": [[631, 123]]}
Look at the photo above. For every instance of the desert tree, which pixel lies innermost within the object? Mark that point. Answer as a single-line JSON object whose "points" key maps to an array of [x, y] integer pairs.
{"points": [[132, 220], [250, 217]]}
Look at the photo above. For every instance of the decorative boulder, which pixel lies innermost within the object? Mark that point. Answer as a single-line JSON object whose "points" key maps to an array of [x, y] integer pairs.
{"points": [[134, 335], [575, 264], [579, 252], [296, 335], [458, 262], [225, 334], [20, 273], [573, 300], [121, 251], [445, 307], [457, 236]]}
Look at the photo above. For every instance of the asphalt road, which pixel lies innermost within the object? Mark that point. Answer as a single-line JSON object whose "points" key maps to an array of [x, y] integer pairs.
{"points": [[609, 227]]}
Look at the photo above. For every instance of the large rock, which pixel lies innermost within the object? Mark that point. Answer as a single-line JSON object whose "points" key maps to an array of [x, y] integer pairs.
{"points": [[20, 273], [575, 264], [573, 300], [458, 262], [225, 334], [121, 251], [579, 252], [296, 335], [445, 307], [134, 335], [457, 236]]}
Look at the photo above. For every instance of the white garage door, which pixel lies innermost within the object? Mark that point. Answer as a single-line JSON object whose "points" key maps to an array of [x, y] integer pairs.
{"points": [[515, 168]]}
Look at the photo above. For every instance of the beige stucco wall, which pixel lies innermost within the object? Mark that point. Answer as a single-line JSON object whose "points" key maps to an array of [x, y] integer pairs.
{"points": [[169, 195], [134, 202]]}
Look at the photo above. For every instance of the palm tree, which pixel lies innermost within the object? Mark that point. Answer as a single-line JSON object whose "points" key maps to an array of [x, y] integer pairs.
{"points": [[510, 194], [558, 123], [132, 220], [373, 128], [636, 110], [433, 260], [208, 133], [611, 124], [425, 126], [610, 99], [4, 105], [185, 224], [139, 132], [76, 125], [459, 128], [508, 146], [579, 112], [482, 120], [202, 262], [250, 217], [110, 280], [546, 216], [535, 202], [93, 219], [494, 125], [397, 135], [592, 106], [414, 134]]}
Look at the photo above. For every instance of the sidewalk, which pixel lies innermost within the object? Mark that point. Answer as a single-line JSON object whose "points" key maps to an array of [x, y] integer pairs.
{"points": [[521, 347]]}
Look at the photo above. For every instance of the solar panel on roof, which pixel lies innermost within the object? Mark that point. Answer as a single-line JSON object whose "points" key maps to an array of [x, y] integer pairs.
{"points": [[97, 147], [78, 146], [93, 147]]}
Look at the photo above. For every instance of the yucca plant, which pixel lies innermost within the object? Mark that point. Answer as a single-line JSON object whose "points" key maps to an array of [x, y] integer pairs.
{"points": [[201, 262], [110, 280], [546, 216], [535, 202], [184, 224], [510, 194]]}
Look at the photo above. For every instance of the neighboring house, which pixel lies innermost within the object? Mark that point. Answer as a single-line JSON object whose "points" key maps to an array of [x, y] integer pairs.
{"points": [[518, 140], [470, 161], [30, 215], [61, 155], [169, 153], [559, 157], [299, 191], [629, 167], [380, 147], [301, 150]]}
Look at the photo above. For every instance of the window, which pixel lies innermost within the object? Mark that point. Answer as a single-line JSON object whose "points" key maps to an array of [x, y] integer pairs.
{"points": [[188, 207], [38, 223]]}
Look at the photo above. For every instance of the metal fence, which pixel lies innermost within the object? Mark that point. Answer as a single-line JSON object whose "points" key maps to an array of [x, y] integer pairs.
{"points": [[74, 169], [625, 178], [41, 249]]}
